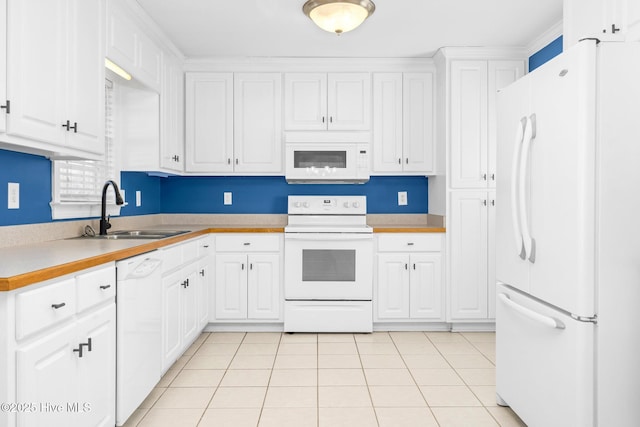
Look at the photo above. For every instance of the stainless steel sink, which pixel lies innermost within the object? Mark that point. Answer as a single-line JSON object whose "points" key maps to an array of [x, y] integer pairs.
{"points": [[138, 234]]}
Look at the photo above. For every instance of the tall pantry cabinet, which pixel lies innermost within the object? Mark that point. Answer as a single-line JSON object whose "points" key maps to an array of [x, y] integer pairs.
{"points": [[469, 79]]}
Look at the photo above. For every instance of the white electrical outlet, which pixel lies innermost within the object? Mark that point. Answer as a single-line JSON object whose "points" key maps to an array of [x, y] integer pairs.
{"points": [[402, 198], [138, 198], [228, 198], [13, 191]]}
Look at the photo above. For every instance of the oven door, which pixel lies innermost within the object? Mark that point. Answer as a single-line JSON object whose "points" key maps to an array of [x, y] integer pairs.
{"points": [[328, 266]]}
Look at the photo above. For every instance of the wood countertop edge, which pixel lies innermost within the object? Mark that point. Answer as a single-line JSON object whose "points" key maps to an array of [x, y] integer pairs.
{"points": [[26, 279], [409, 229]]}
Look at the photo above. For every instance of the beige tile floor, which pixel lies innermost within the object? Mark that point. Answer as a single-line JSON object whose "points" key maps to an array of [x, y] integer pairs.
{"points": [[400, 379]]}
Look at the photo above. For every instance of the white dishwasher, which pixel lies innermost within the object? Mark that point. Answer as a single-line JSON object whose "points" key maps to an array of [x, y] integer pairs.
{"points": [[138, 331]]}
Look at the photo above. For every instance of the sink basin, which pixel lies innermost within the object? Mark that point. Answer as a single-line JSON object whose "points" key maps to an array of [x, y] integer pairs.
{"points": [[138, 234]]}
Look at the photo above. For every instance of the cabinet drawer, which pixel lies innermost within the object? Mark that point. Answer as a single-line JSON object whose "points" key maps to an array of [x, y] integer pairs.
{"points": [[95, 287], [172, 258], [248, 243], [189, 251], [205, 246], [45, 306], [410, 242]]}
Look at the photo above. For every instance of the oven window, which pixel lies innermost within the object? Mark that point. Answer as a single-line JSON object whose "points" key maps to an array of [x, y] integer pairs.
{"points": [[328, 265], [320, 159]]}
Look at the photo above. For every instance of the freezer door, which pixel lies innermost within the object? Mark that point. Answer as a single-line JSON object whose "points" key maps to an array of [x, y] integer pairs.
{"points": [[562, 180], [544, 362], [512, 111]]}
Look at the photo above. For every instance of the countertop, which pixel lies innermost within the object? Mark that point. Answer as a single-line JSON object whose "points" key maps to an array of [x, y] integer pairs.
{"points": [[37, 262]]}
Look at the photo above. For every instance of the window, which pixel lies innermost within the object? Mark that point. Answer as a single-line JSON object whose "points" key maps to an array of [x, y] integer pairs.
{"points": [[77, 184]]}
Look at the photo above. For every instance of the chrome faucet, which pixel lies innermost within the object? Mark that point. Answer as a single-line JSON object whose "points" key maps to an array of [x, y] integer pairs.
{"points": [[104, 220]]}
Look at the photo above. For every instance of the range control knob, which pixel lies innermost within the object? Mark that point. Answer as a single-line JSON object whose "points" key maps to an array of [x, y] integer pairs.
{"points": [[356, 204], [346, 204], [297, 204], [305, 204]]}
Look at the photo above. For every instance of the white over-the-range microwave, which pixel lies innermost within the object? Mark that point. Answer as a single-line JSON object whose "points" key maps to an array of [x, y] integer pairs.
{"points": [[327, 157]]}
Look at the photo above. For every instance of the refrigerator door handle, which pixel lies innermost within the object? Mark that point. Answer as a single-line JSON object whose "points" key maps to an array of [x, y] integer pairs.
{"points": [[529, 245], [515, 215], [540, 318]]}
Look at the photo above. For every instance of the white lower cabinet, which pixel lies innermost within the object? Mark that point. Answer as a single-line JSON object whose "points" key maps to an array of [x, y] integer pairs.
{"points": [[62, 369], [409, 282], [184, 296], [248, 277], [472, 256]]}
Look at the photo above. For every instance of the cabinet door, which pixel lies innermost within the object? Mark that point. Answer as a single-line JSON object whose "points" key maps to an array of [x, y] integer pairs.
{"points": [[491, 255], [203, 290], [393, 286], [121, 37], [349, 101], [97, 369], [172, 103], [469, 124], [85, 75], [418, 123], [231, 286], [171, 324], [148, 61], [189, 306], [387, 122], [468, 268], [257, 126], [632, 20], [36, 63], [425, 286], [305, 101], [500, 74], [3, 65], [263, 286], [209, 122], [46, 373]]}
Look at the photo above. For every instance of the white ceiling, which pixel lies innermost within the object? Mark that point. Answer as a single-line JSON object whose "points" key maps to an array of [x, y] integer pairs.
{"points": [[398, 28]]}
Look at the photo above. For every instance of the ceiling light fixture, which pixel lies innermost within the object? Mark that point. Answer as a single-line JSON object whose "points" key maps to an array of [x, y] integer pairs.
{"points": [[338, 16]]}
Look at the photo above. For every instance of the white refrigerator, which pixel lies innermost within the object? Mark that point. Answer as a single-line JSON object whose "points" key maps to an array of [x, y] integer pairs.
{"points": [[568, 240]]}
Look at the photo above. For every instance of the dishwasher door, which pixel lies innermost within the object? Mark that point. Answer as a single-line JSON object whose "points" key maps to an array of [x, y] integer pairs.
{"points": [[138, 331]]}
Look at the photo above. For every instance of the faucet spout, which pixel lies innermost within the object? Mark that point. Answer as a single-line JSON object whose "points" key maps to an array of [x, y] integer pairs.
{"points": [[104, 221]]}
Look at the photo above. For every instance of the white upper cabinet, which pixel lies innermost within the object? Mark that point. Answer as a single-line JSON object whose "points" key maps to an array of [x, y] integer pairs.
{"points": [[172, 108], [55, 75], [3, 67], [418, 128], [257, 124], [603, 19], [403, 125], [327, 101], [234, 123], [131, 48], [209, 122], [473, 88]]}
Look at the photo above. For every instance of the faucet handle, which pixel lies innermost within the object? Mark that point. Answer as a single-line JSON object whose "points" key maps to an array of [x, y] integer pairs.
{"points": [[108, 224]]}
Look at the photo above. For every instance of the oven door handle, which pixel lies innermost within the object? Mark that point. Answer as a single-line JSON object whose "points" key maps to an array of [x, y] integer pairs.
{"points": [[324, 237]]}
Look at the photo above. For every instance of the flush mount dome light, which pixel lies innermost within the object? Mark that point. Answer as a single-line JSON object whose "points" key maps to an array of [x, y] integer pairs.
{"points": [[338, 16]]}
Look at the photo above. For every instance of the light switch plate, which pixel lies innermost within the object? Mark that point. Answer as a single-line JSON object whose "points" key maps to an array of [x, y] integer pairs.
{"points": [[228, 198], [138, 198], [13, 190]]}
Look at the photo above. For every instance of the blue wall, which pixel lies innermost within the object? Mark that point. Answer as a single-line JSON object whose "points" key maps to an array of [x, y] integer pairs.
{"points": [[196, 194], [546, 53], [33, 173], [268, 194]]}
